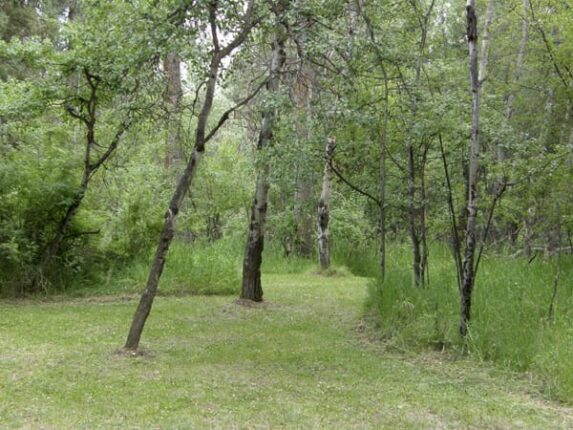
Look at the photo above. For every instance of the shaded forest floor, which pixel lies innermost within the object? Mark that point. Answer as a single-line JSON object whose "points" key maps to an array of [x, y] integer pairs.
{"points": [[300, 360]]}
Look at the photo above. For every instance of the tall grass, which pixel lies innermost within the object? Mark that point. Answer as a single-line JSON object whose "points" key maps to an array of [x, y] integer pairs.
{"points": [[510, 324], [197, 268], [360, 262]]}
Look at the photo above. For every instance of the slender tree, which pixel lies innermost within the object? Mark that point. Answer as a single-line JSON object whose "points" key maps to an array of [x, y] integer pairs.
{"points": [[218, 53], [468, 267], [251, 285]]}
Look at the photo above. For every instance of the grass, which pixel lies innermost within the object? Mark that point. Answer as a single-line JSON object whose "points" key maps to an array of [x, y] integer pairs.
{"points": [[300, 360], [198, 268], [509, 326]]}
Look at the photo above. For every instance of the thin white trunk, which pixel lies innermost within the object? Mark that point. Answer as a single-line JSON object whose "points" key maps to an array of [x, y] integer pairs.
{"points": [[501, 152], [485, 41], [324, 207], [468, 269]]}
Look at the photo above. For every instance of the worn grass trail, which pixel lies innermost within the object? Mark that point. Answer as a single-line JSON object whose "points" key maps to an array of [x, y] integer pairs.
{"points": [[297, 361]]}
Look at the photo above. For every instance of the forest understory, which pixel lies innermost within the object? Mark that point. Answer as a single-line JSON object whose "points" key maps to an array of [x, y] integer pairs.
{"points": [[286, 213]]}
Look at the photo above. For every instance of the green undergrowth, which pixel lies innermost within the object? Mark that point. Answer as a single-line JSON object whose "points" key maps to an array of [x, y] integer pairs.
{"points": [[510, 314], [191, 268]]}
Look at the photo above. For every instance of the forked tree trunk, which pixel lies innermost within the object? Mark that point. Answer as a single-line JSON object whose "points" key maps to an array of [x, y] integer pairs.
{"points": [[251, 288], [324, 207], [468, 267], [91, 165], [185, 181]]}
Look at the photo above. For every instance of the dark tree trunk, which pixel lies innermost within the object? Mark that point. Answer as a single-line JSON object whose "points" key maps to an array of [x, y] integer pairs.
{"points": [[251, 287], [251, 283], [412, 217], [146, 301], [382, 148]]}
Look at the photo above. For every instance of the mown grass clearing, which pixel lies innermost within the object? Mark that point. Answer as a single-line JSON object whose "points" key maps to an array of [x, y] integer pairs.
{"points": [[296, 361]]}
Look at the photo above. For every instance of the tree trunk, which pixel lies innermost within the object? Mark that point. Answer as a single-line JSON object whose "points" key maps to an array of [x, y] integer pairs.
{"points": [[304, 243], [382, 147], [416, 221], [251, 284], [485, 41], [324, 207], [185, 181], [382, 181], [412, 215], [468, 269], [146, 301], [516, 72], [172, 67], [90, 167]]}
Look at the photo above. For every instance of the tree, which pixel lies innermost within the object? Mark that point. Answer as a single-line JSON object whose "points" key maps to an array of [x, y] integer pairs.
{"points": [[468, 267], [251, 288], [218, 53]]}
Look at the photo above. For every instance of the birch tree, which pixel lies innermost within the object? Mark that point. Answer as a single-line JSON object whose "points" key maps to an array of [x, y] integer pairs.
{"points": [[468, 267]]}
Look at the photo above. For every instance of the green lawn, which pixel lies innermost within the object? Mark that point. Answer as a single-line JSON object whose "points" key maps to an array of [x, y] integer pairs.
{"points": [[299, 360]]}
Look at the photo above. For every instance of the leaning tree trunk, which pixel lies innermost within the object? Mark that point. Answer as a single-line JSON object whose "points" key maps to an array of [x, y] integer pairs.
{"points": [[168, 231], [324, 207], [185, 181], [251, 283], [468, 267]]}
